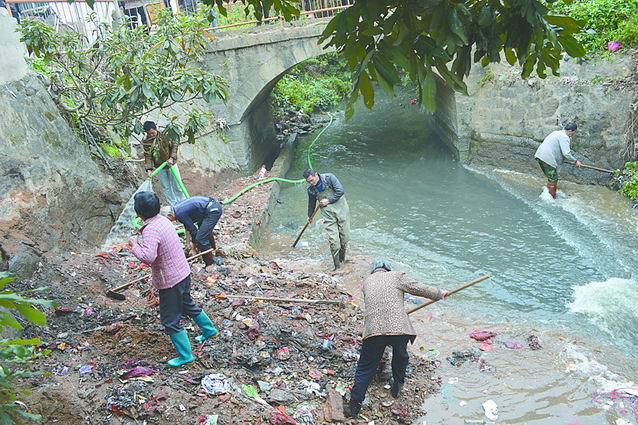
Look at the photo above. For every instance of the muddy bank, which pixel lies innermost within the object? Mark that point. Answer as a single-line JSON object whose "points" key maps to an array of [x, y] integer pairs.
{"points": [[272, 363]]}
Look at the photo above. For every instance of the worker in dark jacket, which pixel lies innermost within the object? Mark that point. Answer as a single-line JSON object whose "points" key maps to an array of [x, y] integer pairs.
{"points": [[328, 191], [199, 215]]}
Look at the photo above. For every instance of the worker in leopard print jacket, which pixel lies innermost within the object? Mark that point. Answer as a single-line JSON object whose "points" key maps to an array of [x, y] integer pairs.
{"points": [[386, 324]]}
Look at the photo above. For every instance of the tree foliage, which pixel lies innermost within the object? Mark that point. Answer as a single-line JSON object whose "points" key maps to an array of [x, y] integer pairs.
{"points": [[432, 39], [603, 21], [16, 351], [128, 73]]}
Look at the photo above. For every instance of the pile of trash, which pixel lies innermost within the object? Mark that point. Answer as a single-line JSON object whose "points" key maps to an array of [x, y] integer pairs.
{"points": [[276, 360]]}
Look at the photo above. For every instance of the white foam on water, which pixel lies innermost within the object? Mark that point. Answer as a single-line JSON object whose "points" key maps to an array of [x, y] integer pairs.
{"points": [[582, 365], [611, 305], [601, 299], [600, 247]]}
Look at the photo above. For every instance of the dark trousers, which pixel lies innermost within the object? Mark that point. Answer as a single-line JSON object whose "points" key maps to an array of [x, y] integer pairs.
{"points": [[176, 302], [204, 237], [371, 353]]}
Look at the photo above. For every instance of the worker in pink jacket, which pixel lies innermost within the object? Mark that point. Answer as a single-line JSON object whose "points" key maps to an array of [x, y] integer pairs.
{"points": [[160, 247]]}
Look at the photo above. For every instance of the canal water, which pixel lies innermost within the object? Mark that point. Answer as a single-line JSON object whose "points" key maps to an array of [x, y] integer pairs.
{"points": [[562, 270]]}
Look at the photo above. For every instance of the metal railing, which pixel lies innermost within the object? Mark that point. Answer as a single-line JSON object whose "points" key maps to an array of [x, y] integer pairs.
{"points": [[79, 17]]}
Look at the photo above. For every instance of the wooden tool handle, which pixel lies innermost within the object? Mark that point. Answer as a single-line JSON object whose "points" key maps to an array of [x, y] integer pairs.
{"points": [[139, 279], [306, 226], [459, 289]]}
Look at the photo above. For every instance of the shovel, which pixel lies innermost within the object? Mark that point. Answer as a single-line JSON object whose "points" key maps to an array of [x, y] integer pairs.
{"points": [[305, 227], [117, 295]]}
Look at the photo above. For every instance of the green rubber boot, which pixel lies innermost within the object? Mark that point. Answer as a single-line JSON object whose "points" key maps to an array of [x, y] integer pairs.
{"points": [[183, 347], [208, 329]]}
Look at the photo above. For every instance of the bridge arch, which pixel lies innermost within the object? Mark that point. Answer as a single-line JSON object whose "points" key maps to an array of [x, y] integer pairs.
{"points": [[253, 62]]}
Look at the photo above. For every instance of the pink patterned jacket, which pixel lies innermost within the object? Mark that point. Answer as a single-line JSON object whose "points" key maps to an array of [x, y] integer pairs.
{"points": [[161, 248]]}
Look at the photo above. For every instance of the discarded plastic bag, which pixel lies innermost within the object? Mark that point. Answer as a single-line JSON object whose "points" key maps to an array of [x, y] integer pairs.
{"points": [[216, 383], [491, 410], [482, 335]]}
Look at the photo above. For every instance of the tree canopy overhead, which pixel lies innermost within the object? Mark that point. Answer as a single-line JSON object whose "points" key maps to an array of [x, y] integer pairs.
{"points": [[444, 38]]}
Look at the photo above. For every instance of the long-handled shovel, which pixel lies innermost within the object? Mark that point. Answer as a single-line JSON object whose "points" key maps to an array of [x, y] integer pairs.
{"points": [[117, 295], [591, 167], [467, 285], [305, 227]]}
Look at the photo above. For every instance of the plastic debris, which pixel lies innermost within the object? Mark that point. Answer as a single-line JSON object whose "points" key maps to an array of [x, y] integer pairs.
{"points": [[486, 345], [249, 391], [216, 383], [459, 357], [491, 410], [513, 345], [280, 417], [85, 369], [482, 335], [283, 353], [136, 372], [208, 420], [534, 342], [614, 46]]}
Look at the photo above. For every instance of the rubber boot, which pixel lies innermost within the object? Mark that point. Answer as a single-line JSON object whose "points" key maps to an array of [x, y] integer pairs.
{"points": [[342, 254], [208, 258], [208, 329], [352, 409], [551, 188], [396, 389], [183, 347], [336, 258]]}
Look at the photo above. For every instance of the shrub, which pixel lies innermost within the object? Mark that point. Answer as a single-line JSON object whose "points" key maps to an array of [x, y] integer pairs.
{"points": [[16, 351], [317, 84], [603, 21]]}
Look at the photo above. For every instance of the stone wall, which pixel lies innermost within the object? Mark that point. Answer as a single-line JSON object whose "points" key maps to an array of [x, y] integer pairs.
{"points": [[505, 118], [53, 196], [253, 62]]}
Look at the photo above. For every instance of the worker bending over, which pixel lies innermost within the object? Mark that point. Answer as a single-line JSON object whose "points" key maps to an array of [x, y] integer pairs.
{"points": [[386, 324], [161, 248], [552, 153]]}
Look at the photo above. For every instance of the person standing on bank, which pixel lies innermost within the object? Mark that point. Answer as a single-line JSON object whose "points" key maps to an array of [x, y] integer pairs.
{"points": [[157, 150], [552, 153], [160, 247], [386, 324], [327, 190], [199, 215]]}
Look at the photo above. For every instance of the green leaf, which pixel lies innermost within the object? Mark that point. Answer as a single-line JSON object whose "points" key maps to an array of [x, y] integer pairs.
{"points": [[366, 89], [510, 56], [563, 21], [428, 95], [5, 279], [571, 46], [31, 341], [32, 314], [250, 391]]}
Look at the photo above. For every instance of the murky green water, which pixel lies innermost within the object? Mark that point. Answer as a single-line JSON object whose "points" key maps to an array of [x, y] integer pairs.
{"points": [[566, 266]]}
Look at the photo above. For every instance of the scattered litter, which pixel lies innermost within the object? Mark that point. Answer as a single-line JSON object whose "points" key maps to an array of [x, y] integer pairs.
{"points": [[513, 345], [216, 383], [486, 345], [534, 342], [85, 369], [482, 335], [280, 417], [459, 357], [207, 420], [491, 410]]}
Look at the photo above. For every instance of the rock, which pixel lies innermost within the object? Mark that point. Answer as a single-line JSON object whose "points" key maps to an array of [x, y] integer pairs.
{"points": [[24, 263], [332, 409], [281, 396]]}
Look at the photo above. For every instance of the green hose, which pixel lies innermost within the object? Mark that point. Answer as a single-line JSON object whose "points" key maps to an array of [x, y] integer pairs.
{"points": [[137, 222], [232, 199]]}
